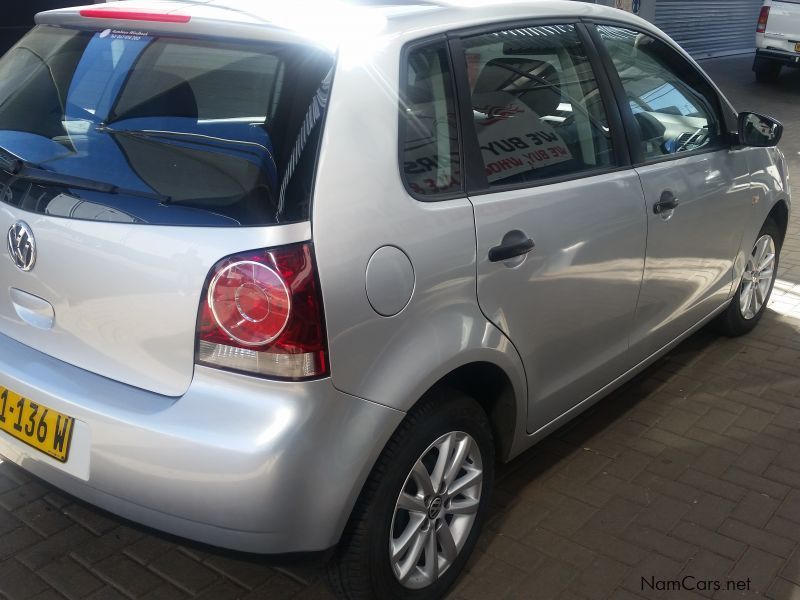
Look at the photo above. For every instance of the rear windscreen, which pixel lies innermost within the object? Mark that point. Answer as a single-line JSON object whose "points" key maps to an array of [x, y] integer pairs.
{"points": [[185, 131]]}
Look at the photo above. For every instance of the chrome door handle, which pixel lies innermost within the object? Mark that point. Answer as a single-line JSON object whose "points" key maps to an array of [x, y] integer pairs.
{"points": [[667, 202]]}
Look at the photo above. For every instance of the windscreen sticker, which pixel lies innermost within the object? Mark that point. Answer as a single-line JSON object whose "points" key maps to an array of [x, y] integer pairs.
{"points": [[513, 138], [116, 34]]}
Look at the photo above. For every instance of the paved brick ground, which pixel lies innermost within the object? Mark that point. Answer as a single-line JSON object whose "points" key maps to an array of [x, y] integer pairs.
{"points": [[692, 469]]}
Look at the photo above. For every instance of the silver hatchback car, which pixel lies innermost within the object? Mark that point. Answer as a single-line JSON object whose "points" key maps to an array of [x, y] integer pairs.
{"points": [[284, 277]]}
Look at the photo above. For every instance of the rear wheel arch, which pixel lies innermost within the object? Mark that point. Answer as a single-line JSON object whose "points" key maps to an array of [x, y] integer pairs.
{"points": [[490, 386]]}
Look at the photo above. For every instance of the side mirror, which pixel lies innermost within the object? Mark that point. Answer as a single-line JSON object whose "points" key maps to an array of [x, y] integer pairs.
{"points": [[759, 131]]}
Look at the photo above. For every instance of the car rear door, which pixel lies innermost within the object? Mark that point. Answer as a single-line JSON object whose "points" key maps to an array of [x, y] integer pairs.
{"points": [[696, 186], [559, 215]]}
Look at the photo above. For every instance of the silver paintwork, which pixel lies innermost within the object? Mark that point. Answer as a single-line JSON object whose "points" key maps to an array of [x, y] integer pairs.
{"points": [[437, 506], [758, 277], [33, 310], [689, 260], [217, 465], [389, 281], [239, 461], [127, 287]]}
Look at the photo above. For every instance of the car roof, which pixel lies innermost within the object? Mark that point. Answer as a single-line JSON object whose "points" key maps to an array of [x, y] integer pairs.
{"points": [[340, 19]]}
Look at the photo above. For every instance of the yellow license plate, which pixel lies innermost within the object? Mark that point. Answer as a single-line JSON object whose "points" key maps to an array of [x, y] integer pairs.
{"points": [[42, 428]]}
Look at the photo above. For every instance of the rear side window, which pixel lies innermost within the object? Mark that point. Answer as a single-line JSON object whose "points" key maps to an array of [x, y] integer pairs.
{"points": [[430, 157], [191, 132], [538, 111], [674, 106]]}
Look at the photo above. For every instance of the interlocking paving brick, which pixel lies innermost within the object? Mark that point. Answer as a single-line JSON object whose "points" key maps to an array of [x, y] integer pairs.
{"points": [[70, 578], [757, 538], [53, 547], [783, 590], [126, 575], [18, 582], [709, 540], [17, 540], [42, 517], [710, 511], [755, 509]]}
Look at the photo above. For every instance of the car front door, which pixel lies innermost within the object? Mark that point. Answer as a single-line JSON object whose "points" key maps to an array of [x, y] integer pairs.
{"points": [[697, 188], [560, 218]]}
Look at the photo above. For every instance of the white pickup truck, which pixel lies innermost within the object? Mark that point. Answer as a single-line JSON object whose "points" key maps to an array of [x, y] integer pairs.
{"points": [[777, 39]]}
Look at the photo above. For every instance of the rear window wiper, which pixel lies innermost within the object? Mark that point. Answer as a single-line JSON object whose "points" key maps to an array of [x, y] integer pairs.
{"points": [[33, 173]]}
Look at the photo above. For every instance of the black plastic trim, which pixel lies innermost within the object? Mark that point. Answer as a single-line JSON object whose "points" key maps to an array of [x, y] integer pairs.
{"points": [[439, 38]]}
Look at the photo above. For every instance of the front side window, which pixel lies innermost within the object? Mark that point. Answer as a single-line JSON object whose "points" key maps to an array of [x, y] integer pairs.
{"points": [[538, 112], [180, 131], [430, 157], [673, 105]]}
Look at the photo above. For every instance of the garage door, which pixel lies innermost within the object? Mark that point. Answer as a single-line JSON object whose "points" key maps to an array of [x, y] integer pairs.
{"points": [[710, 27]]}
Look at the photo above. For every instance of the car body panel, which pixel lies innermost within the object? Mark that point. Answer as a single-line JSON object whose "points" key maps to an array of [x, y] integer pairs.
{"points": [[568, 308], [125, 296], [217, 464], [690, 250], [359, 207]]}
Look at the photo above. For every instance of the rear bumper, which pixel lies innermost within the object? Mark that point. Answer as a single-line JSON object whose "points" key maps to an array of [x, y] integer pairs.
{"points": [[788, 59], [237, 462]]}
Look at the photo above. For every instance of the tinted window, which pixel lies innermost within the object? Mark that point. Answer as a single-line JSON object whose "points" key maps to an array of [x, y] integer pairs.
{"points": [[537, 106], [193, 132], [430, 155], [674, 106]]}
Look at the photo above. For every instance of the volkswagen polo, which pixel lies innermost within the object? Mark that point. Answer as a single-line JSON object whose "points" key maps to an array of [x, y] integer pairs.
{"points": [[291, 277]]}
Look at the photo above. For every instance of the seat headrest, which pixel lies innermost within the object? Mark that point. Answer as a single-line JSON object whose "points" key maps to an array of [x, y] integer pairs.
{"points": [[534, 82]]}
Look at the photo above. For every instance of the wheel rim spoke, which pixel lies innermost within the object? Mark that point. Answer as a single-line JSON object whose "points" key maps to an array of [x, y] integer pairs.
{"points": [[408, 537], [465, 482], [422, 478], [409, 564], [459, 456], [431, 556], [770, 258], [442, 460], [468, 506], [413, 504], [446, 541]]}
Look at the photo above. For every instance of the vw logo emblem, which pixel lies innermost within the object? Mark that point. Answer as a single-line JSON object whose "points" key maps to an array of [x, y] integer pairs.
{"points": [[22, 246]]}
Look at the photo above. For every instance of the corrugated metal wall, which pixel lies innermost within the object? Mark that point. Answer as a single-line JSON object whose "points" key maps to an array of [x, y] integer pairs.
{"points": [[710, 27]]}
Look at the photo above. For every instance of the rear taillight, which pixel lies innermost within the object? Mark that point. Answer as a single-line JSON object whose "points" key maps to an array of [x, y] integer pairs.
{"points": [[762, 20], [261, 313]]}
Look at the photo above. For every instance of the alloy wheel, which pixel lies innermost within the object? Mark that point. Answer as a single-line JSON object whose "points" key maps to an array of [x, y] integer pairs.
{"points": [[436, 510], [758, 277]]}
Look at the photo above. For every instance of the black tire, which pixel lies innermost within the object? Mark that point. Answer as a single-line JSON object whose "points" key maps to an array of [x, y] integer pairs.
{"points": [[361, 568], [767, 71], [732, 322]]}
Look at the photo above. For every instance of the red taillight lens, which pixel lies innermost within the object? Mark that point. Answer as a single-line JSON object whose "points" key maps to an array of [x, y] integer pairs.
{"points": [[128, 15], [762, 19], [261, 313]]}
